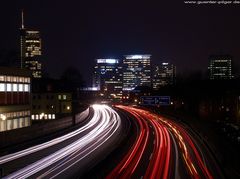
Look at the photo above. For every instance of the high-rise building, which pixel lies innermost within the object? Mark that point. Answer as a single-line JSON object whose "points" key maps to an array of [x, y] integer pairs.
{"points": [[163, 74], [136, 71], [107, 78], [220, 67], [15, 99], [31, 50]]}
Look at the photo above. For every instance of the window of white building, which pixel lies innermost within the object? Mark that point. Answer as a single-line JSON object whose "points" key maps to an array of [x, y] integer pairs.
{"points": [[9, 87], [2, 86], [15, 87], [20, 87]]}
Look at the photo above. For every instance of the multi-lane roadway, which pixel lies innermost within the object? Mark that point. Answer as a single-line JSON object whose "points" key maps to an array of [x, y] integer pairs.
{"points": [[159, 148], [170, 149], [68, 155]]}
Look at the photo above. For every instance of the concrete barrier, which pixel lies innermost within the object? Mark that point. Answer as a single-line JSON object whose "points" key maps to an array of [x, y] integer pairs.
{"points": [[37, 130]]}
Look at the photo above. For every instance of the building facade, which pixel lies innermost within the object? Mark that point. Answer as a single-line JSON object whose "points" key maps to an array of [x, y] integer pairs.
{"points": [[136, 71], [15, 101], [163, 74], [220, 67], [31, 50], [107, 78], [50, 105]]}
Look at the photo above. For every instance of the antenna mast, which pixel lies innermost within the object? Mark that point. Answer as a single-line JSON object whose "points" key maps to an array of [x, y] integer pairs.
{"points": [[22, 25]]}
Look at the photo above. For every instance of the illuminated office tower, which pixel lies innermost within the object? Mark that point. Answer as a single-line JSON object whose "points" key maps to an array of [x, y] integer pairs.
{"points": [[163, 74], [136, 71], [108, 78], [220, 67], [31, 50]]}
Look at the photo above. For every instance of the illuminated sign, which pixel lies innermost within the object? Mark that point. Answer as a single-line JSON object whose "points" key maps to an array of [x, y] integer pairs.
{"points": [[107, 61], [155, 100], [128, 89]]}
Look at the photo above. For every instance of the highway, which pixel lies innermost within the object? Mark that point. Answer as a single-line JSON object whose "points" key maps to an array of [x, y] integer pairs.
{"points": [[164, 149], [69, 155], [139, 144]]}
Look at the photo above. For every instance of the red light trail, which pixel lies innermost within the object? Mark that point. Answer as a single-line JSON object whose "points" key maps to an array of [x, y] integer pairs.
{"points": [[162, 163]]}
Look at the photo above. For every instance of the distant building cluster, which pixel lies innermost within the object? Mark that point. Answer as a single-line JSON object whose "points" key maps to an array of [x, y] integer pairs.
{"points": [[113, 77]]}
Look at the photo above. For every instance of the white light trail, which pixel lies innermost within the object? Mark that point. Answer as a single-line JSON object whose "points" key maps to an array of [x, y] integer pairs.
{"points": [[106, 124], [22, 153]]}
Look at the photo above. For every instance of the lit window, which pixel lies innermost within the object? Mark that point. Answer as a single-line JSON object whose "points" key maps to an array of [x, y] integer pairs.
{"points": [[2, 87], [15, 123], [41, 116], [1, 78], [9, 87], [26, 87], [49, 116], [37, 116], [21, 79], [14, 79], [9, 124], [8, 78], [33, 117], [59, 97], [21, 122], [27, 121], [21, 113], [15, 87], [53, 116], [64, 97], [8, 115], [20, 87], [26, 113]]}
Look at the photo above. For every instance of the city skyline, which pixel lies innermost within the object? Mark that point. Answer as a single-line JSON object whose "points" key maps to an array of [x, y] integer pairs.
{"points": [[119, 89], [100, 30]]}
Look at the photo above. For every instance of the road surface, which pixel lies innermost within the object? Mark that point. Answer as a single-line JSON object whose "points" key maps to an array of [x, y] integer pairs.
{"points": [[158, 147], [71, 154], [164, 149]]}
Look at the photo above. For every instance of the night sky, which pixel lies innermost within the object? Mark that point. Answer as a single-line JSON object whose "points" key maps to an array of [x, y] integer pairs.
{"points": [[74, 33]]}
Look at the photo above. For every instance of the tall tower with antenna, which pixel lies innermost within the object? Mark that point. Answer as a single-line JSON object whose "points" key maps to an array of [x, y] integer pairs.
{"points": [[22, 40], [30, 49]]}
